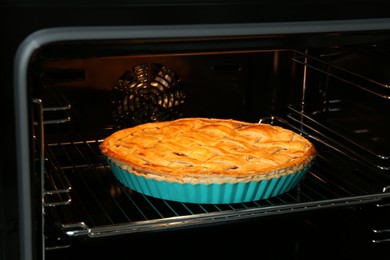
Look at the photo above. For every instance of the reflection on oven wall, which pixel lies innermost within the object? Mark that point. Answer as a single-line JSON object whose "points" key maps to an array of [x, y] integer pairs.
{"points": [[224, 86]]}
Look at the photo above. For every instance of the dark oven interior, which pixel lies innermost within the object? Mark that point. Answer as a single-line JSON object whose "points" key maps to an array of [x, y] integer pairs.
{"points": [[333, 89]]}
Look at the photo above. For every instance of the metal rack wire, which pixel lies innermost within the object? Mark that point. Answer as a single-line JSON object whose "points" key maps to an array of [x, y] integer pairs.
{"points": [[101, 206], [349, 118], [54, 110]]}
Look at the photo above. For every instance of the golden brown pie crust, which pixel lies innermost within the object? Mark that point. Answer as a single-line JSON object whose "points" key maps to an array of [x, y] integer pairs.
{"points": [[208, 150]]}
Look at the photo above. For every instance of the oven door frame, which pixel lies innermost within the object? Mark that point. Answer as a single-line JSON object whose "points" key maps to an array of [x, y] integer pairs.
{"points": [[40, 38]]}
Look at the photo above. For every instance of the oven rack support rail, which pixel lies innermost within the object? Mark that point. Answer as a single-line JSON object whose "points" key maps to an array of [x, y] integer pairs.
{"points": [[365, 83], [81, 229], [55, 186]]}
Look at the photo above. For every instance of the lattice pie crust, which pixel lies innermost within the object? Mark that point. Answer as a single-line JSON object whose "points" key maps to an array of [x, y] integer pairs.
{"points": [[208, 151]]}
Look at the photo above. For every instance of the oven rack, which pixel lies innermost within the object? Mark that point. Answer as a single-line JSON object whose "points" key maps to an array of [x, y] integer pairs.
{"points": [[365, 138], [351, 146], [327, 68], [54, 186], [53, 111], [101, 206], [56, 109], [57, 188]]}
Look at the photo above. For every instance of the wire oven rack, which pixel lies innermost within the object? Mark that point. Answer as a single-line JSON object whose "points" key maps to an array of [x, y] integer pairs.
{"points": [[101, 206]]}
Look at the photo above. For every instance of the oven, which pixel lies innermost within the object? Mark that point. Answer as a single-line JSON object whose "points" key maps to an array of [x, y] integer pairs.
{"points": [[319, 69]]}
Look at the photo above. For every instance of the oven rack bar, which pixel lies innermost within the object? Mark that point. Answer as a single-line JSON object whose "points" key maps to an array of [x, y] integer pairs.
{"points": [[364, 83], [56, 108], [81, 229], [56, 185], [154, 214], [324, 137], [101, 206], [378, 229], [337, 139], [380, 236], [53, 111]]}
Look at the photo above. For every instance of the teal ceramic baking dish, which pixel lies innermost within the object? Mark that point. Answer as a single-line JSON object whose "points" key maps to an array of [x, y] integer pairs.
{"points": [[207, 193]]}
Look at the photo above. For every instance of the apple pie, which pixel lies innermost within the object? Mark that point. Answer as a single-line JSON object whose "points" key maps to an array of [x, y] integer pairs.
{"points": [[174, 157]]}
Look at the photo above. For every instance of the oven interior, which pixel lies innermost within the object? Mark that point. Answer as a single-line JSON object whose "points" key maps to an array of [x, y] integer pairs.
{"points": [[334, 90]]}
